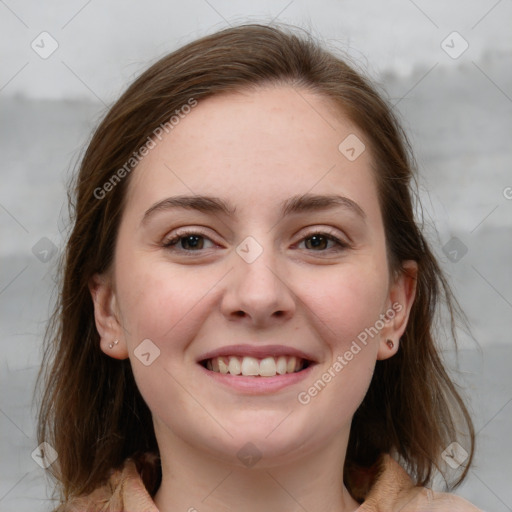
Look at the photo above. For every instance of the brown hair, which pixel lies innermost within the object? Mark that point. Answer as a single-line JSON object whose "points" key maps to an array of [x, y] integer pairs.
{"points": [[91, 410]]}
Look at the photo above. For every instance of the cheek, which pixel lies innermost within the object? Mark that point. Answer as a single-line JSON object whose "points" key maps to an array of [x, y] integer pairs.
{"points": [[161, 305], [347, 301], [155, 301], [347, 306], [344, 314]]}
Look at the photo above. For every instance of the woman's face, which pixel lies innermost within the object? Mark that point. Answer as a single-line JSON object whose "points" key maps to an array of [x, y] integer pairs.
{"points": [[252, 241]]}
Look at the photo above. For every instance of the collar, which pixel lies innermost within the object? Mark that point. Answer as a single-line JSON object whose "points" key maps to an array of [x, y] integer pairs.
{"points": [[392, 491]]}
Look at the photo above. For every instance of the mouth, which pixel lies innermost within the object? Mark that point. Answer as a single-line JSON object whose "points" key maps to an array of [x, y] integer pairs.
{"points": [[262, 367]]}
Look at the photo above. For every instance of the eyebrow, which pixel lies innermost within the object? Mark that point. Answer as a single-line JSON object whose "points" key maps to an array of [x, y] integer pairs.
{"points": [[297, 204]]}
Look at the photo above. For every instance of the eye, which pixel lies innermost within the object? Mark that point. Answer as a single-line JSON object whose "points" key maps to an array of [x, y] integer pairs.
{"points": [[196, 241], [323, 242], [188, 241]]}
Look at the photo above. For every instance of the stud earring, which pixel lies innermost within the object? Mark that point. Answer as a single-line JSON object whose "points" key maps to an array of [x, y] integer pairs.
{"points": [[111, 345], [390, 344]]}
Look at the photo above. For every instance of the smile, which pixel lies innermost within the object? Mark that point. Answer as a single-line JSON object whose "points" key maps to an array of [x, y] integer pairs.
{"points": [[256, 367]]}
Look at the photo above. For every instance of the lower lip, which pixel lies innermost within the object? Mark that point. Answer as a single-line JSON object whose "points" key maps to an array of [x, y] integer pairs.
{"points": [[258, 385]]}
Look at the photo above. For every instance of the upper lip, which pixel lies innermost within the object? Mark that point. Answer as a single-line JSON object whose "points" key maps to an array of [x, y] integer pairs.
{"points": [[257, 351]]}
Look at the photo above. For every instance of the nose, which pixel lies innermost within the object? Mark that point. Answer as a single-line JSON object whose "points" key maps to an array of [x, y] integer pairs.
{"points": [[257, 293]]}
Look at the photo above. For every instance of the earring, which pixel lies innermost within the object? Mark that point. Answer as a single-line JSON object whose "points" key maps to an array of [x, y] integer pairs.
{"points": [[111, 345], [390, 344]]}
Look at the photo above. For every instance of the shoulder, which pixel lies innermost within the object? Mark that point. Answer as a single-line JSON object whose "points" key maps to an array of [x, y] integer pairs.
{"points": [[426, 499], [441, 502], [125, 490], [393, 490]]}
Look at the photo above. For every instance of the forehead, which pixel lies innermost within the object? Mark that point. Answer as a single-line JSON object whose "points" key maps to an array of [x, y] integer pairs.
{"points": [[257, 147]]}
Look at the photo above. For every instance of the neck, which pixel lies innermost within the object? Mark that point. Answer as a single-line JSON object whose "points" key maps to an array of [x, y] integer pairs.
{"points": [[197, 482]]}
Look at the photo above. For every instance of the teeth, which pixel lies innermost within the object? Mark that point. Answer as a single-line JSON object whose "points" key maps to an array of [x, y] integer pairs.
{"points": [[251, 366], [234, 366], [223, 367], [290, 366], [281, 365], [267, 367]]}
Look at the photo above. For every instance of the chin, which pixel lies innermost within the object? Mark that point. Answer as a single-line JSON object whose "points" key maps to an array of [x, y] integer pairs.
{"points": [[268, 442]]}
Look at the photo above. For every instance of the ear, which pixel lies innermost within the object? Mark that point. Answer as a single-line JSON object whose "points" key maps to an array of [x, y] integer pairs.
{"points": [[112, 340], [402, 293]]}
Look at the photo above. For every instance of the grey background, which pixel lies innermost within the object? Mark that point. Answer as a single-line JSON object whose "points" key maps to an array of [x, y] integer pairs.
{"points": [[456, 110]]}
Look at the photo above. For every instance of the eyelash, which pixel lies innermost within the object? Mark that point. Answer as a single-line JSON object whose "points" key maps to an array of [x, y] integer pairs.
{"points": [[170, 243]]}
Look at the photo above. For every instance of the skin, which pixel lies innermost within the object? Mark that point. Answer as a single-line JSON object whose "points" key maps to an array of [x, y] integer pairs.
{"points": [[253, 150]]}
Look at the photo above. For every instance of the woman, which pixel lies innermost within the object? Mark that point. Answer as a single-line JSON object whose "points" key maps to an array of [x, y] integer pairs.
{"points": [[247, 308]]}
